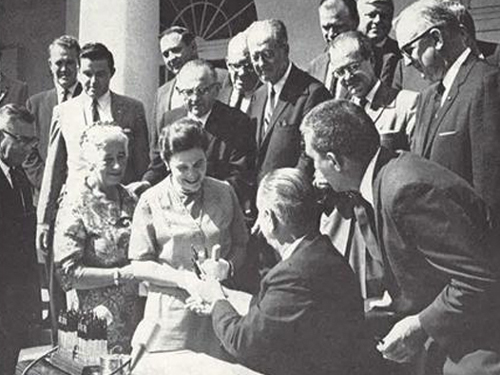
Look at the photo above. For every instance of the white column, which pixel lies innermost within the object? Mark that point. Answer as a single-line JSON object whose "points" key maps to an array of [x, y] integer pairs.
{"points": [[129, 28]]}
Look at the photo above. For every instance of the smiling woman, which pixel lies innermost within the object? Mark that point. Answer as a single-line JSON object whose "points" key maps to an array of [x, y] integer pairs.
{"points": [[178, 227]]}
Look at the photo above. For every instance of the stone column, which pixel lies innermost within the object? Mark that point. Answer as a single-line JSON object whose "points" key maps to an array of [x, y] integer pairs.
{"points": [[129, 28]]}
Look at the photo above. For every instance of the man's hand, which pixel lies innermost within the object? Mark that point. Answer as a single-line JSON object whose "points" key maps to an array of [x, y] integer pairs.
{"points": [[138, 187], [42, 238], [405, 340], [198, 306], [216, 269]]}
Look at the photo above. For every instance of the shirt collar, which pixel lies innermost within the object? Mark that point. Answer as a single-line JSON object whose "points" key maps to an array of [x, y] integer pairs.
{"points": [[203, 119], [366, 186], [60, 91], [451, 74], [290, 249], [278, 86], [104, 100]]}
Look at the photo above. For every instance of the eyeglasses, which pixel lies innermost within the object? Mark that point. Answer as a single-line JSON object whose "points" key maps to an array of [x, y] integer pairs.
{"points": [[199, 91], [348, 69], [239, 66], [407, 49], [26, 141], [267, 54]]}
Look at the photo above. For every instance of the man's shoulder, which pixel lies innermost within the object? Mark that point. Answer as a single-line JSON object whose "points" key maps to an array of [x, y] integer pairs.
{"points": [[301, 82], [173, 115], [125, 100], [42, 97], [166, 87], [228, 120]]}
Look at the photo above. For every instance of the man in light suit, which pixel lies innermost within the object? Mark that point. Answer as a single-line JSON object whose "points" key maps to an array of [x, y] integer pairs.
{"points": [[353, 63], [71, 118], [280, 104], [375, 20], [178, 46], [19, 288], [12, 90], [63, 63], [238, 89], [432, 234], [231, 149], [458, 116], [307, 317], [335, 17]]}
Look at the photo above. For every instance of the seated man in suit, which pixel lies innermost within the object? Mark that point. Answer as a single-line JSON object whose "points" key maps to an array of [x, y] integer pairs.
{"points": [[432, 233], [335, 17], [230, 154], [458, 116], [63, 61], [353, 63], [280, 104], [19, 289], [307, 317], [178, 46], [238, 89], [375, 19], [71, 118]]}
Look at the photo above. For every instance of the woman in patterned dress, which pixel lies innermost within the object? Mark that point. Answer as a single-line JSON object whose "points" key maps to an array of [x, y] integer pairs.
{"points": [[187, 213], [92, 235]]}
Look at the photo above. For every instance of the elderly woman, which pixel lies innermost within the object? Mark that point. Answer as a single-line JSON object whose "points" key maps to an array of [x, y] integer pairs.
{"points": [[92, 233], [182, 218]]}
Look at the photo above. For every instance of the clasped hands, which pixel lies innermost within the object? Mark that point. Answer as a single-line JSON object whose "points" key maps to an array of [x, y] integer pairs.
{"points": [[205, 288]]}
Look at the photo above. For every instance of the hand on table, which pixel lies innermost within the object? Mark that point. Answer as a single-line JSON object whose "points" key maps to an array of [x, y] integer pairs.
{"points": [[405, 340]]}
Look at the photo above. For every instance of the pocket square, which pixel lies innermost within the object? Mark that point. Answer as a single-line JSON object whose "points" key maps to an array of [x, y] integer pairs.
{"points": [[444, 134]]}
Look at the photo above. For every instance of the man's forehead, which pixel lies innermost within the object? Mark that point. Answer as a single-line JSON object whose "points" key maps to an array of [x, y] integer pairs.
{"points": [[171, 40], [58, 51], [407, 29], [236, 57], [96, 65], [344, 55], [195, 77], [370, 5], [263, 38], [333, 12]]}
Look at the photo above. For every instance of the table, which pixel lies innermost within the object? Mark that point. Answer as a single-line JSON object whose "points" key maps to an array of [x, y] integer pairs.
{"points": [[165, 363]]}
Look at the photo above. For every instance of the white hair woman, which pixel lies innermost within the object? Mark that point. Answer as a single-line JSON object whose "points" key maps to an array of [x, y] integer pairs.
{"points": [[92, 233]]}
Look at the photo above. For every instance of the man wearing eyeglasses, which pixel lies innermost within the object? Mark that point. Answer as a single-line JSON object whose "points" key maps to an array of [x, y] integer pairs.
{"points": [[237, 91], [335, 17], [231, 149], [458, 116], [19, 287]]}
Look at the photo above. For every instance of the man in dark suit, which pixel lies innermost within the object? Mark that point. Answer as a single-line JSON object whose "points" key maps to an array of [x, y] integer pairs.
{"points": [[238, 89], [458, 116], [432, 233], [231, 150], [71, 118], [280, 104], [12, 90], [307, 317], [335, 17], [178, 46], [63, 63], [19, 289], [375, 20]]}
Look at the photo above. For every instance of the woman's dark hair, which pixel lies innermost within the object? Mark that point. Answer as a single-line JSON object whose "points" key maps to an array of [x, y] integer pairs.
{"points": [[182, 135]]}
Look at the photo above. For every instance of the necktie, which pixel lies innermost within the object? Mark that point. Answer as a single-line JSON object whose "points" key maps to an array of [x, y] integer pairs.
{"points": [[95, 111], [371, 259], [65, 95], [436, 105], [21, 188], [239, 99], [269, 110]]}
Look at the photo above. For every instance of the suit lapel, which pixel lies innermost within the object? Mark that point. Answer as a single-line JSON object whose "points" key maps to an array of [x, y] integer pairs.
{"points": [[383, 99], [116, 109], [170, 92], [259, 102], [434, 124], [78, 90]]}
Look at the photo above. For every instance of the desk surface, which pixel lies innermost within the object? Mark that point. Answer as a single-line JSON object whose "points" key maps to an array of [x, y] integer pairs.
{"points": [[167, 363]]}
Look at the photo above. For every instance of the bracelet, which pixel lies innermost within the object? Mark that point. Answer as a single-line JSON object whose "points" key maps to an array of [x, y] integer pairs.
{"points": [[116, 277]]}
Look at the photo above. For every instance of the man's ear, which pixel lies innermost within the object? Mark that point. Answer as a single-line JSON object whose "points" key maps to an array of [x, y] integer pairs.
{"points": [[336, 161], [437, 36]]}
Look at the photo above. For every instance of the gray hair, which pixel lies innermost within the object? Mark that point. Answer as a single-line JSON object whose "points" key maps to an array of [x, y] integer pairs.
{"points": [[67, 42], [196, 65], [289, 195], [273, 27], [98, 135]]}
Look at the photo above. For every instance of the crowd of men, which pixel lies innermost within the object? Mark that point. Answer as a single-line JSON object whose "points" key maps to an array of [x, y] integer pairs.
{"points": [[405, 162]]}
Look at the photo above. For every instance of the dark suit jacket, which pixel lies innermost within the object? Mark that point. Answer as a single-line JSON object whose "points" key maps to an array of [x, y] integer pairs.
{"points": [[69, 121], [306, 319], [20, 306], [226, 92], [465, 137], [386, 60], [12, 91], [281, 145], [231, 149], [440, 252], [318, 67], [42, 105]]}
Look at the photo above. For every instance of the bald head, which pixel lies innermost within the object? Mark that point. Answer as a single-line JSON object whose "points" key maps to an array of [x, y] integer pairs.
{"points": [[239, 64]]}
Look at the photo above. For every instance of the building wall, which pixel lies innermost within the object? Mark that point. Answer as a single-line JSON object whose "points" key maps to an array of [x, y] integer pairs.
{"points": [[28, 27]]}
